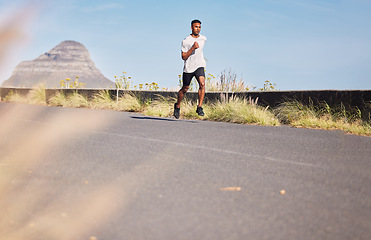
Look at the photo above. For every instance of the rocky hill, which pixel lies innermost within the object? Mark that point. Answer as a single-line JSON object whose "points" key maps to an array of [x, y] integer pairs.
{"points": [[67, 60]]}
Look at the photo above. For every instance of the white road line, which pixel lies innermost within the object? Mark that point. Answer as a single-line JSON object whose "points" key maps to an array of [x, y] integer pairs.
{"points": [[195, 146], [209, 149]]}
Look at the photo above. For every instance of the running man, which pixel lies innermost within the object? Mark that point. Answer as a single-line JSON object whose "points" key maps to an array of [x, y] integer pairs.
{"points": [[194, 66]]}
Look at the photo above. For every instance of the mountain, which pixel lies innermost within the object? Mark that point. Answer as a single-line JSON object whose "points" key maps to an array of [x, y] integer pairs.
{"points": [[66, 60]]}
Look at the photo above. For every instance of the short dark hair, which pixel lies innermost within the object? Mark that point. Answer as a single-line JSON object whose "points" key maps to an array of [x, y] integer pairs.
{"points": [[195, 21]]}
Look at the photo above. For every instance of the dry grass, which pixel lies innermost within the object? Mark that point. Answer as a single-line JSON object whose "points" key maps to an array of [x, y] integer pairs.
{"points": [[102, 100], [238, 110], [36, 96], [349, 120], [188, 110], [16, 98], [327, 123], [77, 100], [160, 108], [234, 110], [72, 100], [128, 103], [59, 99]]}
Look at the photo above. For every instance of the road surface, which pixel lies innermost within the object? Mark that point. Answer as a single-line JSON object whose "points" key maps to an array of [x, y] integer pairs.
{"points": [[97, 174]]}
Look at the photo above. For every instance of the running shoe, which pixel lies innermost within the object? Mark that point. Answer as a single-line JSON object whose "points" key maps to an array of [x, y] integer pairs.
{"points": [[200, 111], [176, 112]]}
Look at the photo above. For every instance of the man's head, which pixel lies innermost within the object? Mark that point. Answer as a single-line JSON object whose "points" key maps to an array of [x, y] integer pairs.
{"points": [[196, 27]]}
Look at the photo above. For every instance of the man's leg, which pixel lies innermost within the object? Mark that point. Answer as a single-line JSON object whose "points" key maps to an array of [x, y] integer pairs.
{"points": [[181, 94], [201, 90], [187, 78], [201, 95]]}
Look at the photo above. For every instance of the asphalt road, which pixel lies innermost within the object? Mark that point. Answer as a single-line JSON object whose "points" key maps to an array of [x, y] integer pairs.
{"points": [[97, 174]]}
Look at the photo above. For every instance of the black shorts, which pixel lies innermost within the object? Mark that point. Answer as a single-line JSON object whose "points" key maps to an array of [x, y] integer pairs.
{"points": [[187, 77]]}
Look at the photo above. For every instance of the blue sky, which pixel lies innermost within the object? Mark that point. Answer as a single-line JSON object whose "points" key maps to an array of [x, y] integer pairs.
{"points": [[296, 44]]}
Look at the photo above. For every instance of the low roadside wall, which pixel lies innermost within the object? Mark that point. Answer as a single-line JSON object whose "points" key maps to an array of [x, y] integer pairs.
{"points": [[353, 98]]}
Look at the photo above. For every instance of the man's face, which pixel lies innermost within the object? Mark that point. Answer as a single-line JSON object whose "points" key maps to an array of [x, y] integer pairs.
{"points": [[196, 29]]}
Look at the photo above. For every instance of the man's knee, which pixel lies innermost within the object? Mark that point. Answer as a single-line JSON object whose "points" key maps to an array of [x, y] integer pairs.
{"points": [[201, 84], [184, 89]]}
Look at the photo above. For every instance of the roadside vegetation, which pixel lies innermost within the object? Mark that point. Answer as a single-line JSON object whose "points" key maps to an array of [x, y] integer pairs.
{"points": [[347, 119], [234, 110], [36, 96]]}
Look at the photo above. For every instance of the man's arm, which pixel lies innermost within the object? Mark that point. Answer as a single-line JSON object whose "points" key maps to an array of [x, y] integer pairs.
{"points": [[185, 55]]}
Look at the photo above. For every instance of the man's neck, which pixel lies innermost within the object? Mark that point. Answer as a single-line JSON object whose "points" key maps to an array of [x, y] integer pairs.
{"points": [[195, 36]]}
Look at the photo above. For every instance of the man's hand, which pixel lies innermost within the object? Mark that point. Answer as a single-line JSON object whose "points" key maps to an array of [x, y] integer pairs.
{"points": [[185, 55], [195, 46]]}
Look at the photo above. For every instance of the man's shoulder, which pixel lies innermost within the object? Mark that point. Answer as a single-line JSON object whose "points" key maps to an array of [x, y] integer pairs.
{"points": [[203, 37], [187, 38]]}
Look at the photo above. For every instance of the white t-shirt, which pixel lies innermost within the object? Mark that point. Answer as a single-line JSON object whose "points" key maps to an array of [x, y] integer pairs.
{"points": [[196, 59]]}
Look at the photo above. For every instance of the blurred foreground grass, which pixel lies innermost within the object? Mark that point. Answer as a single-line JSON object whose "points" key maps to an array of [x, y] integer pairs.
{"points": [[35, 209], [29, 208]]}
